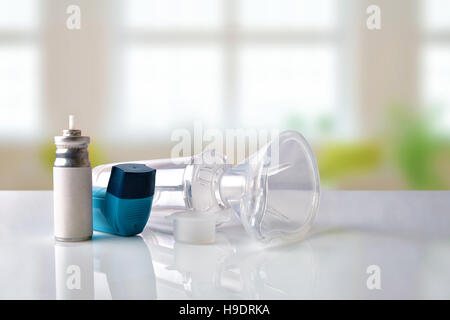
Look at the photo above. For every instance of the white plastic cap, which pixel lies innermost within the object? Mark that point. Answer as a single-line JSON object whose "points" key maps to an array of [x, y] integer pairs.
{"points": [[195, 227], [71, 122]]}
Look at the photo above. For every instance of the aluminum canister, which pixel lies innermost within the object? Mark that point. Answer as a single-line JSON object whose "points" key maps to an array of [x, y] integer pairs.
{"points": [[72, 187]]}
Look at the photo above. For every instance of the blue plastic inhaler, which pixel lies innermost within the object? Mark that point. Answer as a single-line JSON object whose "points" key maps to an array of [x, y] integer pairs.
{"points": [[123, 208]]}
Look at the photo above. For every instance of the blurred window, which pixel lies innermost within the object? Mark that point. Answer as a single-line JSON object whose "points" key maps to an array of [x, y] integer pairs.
{"points": [[169, 84], [436, 60], [257, 63], [173, 14], [18, 67], [287, 14]]}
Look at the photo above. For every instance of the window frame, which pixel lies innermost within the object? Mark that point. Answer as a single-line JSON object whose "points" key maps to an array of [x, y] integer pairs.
{"points": [[231, 37], [32, 37], [429, 38]]}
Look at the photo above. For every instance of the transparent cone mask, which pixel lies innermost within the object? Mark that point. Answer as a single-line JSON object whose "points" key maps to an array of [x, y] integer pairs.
{"points": [[275, 192]]}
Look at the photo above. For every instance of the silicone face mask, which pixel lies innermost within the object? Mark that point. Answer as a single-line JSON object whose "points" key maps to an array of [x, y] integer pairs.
{"points": [[275, 192]]}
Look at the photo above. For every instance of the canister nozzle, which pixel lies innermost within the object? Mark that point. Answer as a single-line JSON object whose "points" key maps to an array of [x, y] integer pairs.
{"points": [[71, 122], [71, 132]]}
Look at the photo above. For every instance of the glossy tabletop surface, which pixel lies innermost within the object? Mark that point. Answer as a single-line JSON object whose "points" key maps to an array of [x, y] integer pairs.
{"points": [[401, 238]]}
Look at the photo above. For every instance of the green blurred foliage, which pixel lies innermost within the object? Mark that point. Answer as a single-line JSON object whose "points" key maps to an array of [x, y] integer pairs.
{"points": [[294, 121], [339, 160], [415, 147], [409, 145], [47, 155], [325, 123]]}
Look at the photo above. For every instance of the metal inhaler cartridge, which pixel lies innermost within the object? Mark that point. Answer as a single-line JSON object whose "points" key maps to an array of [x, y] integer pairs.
{"points": [[72, 186]]}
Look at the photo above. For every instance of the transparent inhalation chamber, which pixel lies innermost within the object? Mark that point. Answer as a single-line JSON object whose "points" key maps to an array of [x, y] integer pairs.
{"points": [[275, 192]]}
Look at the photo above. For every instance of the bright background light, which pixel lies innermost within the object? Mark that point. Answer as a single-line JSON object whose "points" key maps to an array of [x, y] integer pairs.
{"points": [[375, 105]]}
